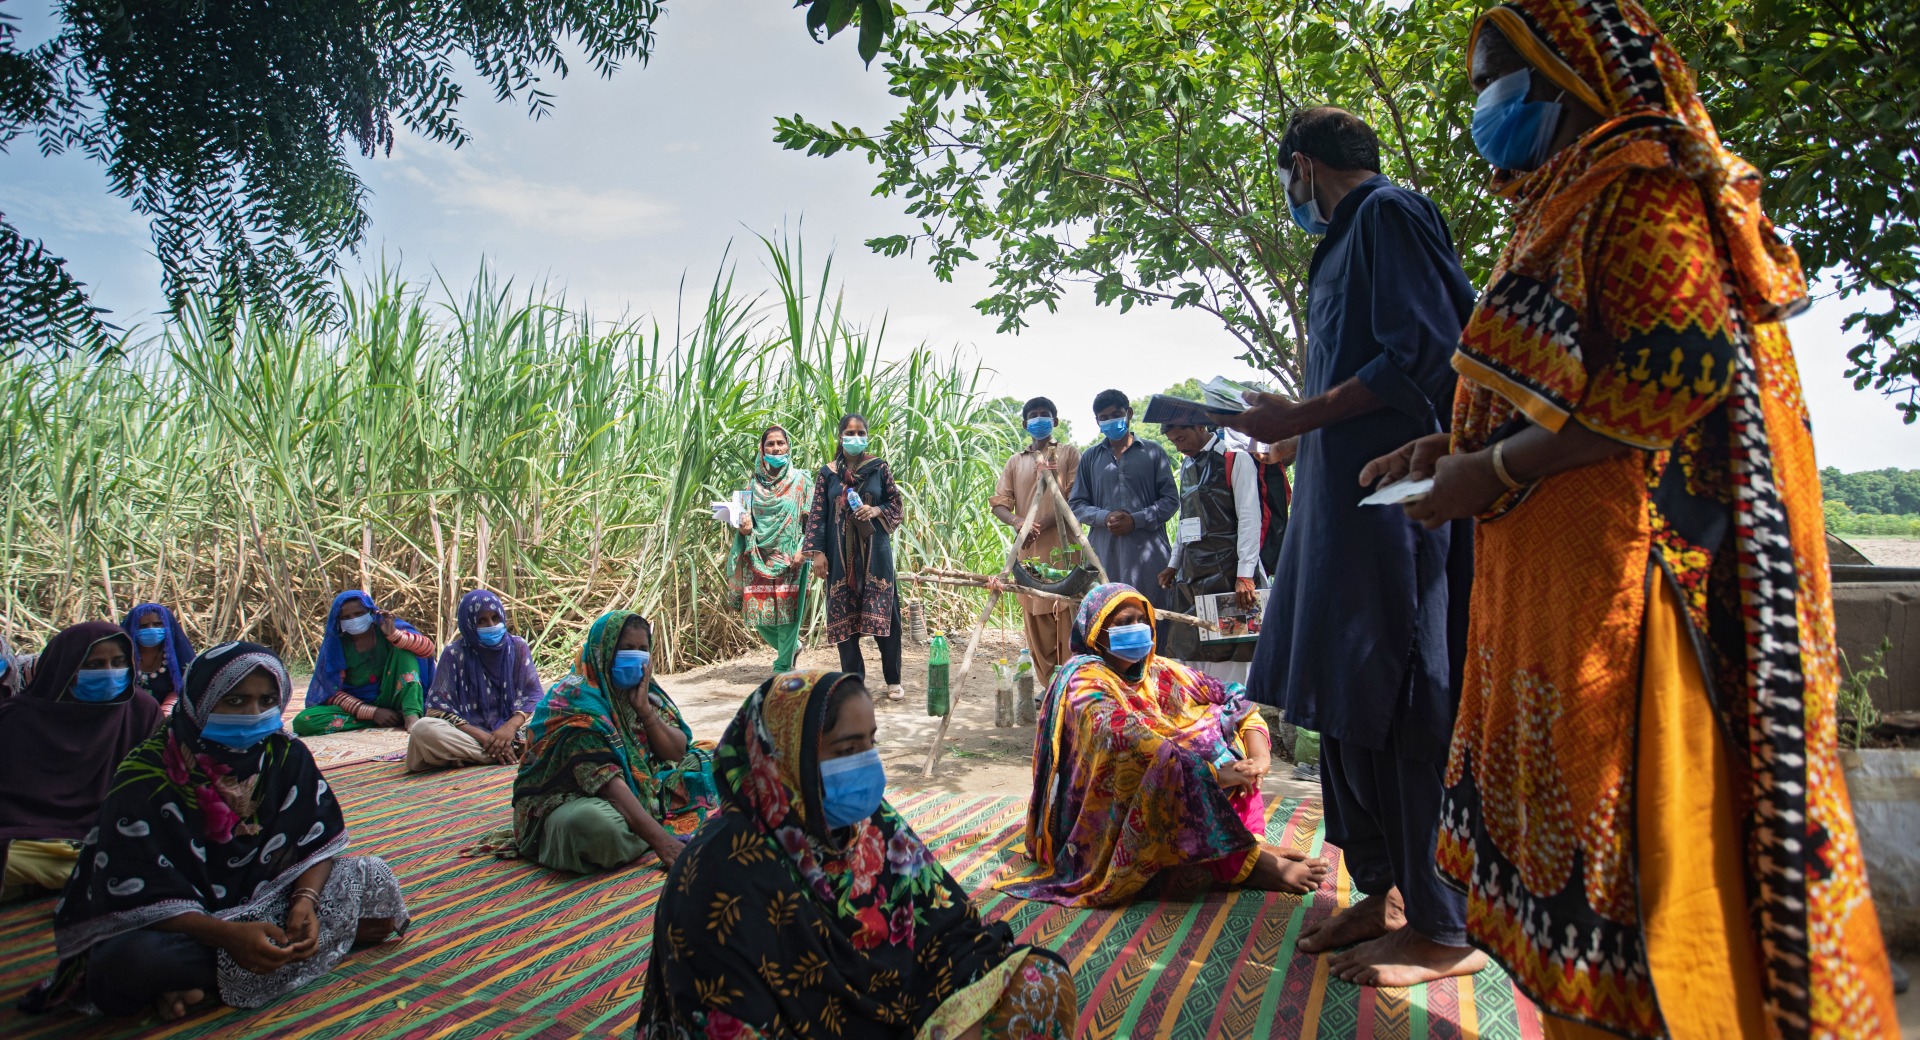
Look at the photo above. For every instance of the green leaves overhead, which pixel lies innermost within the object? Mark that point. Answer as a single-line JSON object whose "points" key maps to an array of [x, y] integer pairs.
{"points": [[1128, 146], [875, 18], [227, 124]]}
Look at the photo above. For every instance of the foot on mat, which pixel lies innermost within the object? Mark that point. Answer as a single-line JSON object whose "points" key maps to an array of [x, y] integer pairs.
{"points": [[1287, 870], [1404, 957], [173, 1006], [1370, 918]]}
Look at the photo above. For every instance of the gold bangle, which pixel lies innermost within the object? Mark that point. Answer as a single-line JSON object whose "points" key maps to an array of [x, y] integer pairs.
{"points": [[1500, 467]]}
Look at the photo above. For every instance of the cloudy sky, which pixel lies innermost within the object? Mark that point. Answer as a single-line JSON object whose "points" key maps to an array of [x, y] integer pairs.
{"points": [[632, 182]]}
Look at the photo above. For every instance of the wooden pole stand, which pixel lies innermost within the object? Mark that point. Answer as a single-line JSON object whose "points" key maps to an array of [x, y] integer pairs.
{"points": [[1063, 516]]}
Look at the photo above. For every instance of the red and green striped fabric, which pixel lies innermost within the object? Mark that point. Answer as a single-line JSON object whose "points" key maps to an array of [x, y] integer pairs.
{"points": [[511, 949]]}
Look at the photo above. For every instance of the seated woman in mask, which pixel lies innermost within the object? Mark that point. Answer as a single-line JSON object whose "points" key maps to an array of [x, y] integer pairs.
{"points": [[161, 652], [61, 738], [610, 771], [483, 693], [1143, 767], [807, 899], [373, 669], [217, 869]]}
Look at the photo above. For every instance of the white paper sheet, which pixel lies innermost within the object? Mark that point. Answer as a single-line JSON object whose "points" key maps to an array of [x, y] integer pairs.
{"points": [[1400, 492]]}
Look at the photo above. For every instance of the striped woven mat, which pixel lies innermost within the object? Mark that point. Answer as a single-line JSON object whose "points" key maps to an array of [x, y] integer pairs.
{"points": [[511, 949]]}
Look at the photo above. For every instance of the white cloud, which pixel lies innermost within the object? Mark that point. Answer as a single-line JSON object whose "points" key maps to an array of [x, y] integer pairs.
{"points": [[464, 186]]}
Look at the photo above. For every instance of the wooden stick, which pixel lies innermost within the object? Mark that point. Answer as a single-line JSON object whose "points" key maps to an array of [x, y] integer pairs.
{"points": [[973, 643], [1063, 512], [980, 582]]}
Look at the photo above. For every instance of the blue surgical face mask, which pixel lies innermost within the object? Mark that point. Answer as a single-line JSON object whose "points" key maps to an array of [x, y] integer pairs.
{"points": [[1130, 642], [1512, 132], [150, 636], [852, 787], [1306, 215], [629, 666], [241, 732], [99, 684], [354, 626], [1114, 429], [491, 635], [775, 463], [854, 444], [1040, 427]]}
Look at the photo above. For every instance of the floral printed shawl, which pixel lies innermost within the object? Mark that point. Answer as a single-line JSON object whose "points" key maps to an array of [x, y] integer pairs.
{"points": [[582, 736], [772, 925], [767, 569], [1123, 781], [194, 826]]}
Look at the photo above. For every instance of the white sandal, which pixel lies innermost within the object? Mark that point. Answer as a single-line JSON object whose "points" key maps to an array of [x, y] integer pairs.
{"points": [[896, 692]]}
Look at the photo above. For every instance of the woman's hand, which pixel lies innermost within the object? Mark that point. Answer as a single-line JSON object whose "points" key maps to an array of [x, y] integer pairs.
{"points": [[499, 743], [866, 513], [303, 929], [819, 565], [1244, 593], [1463, 486], [1411, 461], [387, 626], [746, 523], [258, 946], [386, 717]]}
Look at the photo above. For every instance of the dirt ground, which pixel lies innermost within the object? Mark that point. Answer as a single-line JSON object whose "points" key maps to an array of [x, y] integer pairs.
{"points": [[979, 757], [1888, 552]]}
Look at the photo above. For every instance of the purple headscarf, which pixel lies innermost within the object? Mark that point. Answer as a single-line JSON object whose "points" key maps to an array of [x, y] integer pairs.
{"points": [[177, 647], [484, 685]]}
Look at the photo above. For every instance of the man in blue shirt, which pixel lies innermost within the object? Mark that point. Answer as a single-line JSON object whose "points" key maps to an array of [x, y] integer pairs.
{"points": [[1124, 495], [1368, 613]]}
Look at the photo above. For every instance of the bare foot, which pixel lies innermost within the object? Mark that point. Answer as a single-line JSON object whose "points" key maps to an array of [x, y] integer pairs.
{"points": [[173, 1006], [1370, 918], [1404, 957], [1286, 870]]}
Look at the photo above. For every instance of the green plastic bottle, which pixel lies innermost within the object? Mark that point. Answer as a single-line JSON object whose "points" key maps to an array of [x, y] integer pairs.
{"points": [[938, 703]]}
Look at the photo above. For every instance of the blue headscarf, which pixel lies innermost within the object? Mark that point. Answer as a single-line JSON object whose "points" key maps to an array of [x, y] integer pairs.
{"points": [[177, 647], [330, 664]]}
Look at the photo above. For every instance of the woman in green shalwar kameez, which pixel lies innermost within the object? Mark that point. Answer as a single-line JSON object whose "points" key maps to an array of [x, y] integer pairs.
{"points": [[767, 569], [372, 670], [610, 772]]}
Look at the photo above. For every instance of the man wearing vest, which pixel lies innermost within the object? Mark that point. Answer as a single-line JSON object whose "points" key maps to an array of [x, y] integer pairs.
{"points": [[1218, 545]]}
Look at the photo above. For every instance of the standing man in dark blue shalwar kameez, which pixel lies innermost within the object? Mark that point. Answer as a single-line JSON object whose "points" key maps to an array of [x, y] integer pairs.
{"points": [[1125, 495], [1368, 611]]}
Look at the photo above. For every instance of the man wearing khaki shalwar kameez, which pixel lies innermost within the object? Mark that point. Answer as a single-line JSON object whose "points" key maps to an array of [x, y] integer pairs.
{"points": [[1049, 623]]}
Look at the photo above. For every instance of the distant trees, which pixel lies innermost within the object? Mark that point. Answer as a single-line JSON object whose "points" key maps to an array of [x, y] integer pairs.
{"points": [[1874, 502]]}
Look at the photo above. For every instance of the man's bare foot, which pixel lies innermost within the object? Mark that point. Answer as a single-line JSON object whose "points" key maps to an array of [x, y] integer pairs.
{"points": [[174, 1006], [1404, 957], [1286, 870], [1370, 918]]}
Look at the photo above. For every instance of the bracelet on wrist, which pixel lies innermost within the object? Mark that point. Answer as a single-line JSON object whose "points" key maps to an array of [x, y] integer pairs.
{"points": [[1500, 467]]}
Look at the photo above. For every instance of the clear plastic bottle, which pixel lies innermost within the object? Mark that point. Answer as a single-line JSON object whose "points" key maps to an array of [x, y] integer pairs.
{"points": [[1026, 700]]}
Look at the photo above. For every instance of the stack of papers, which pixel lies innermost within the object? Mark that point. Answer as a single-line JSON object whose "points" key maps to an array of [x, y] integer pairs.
{"points": [[731, 511], [1225, 395]]}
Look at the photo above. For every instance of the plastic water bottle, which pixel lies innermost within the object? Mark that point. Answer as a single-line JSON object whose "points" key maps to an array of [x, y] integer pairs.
{"points": [[1026, 701], [938, 702], [853, 499]]}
